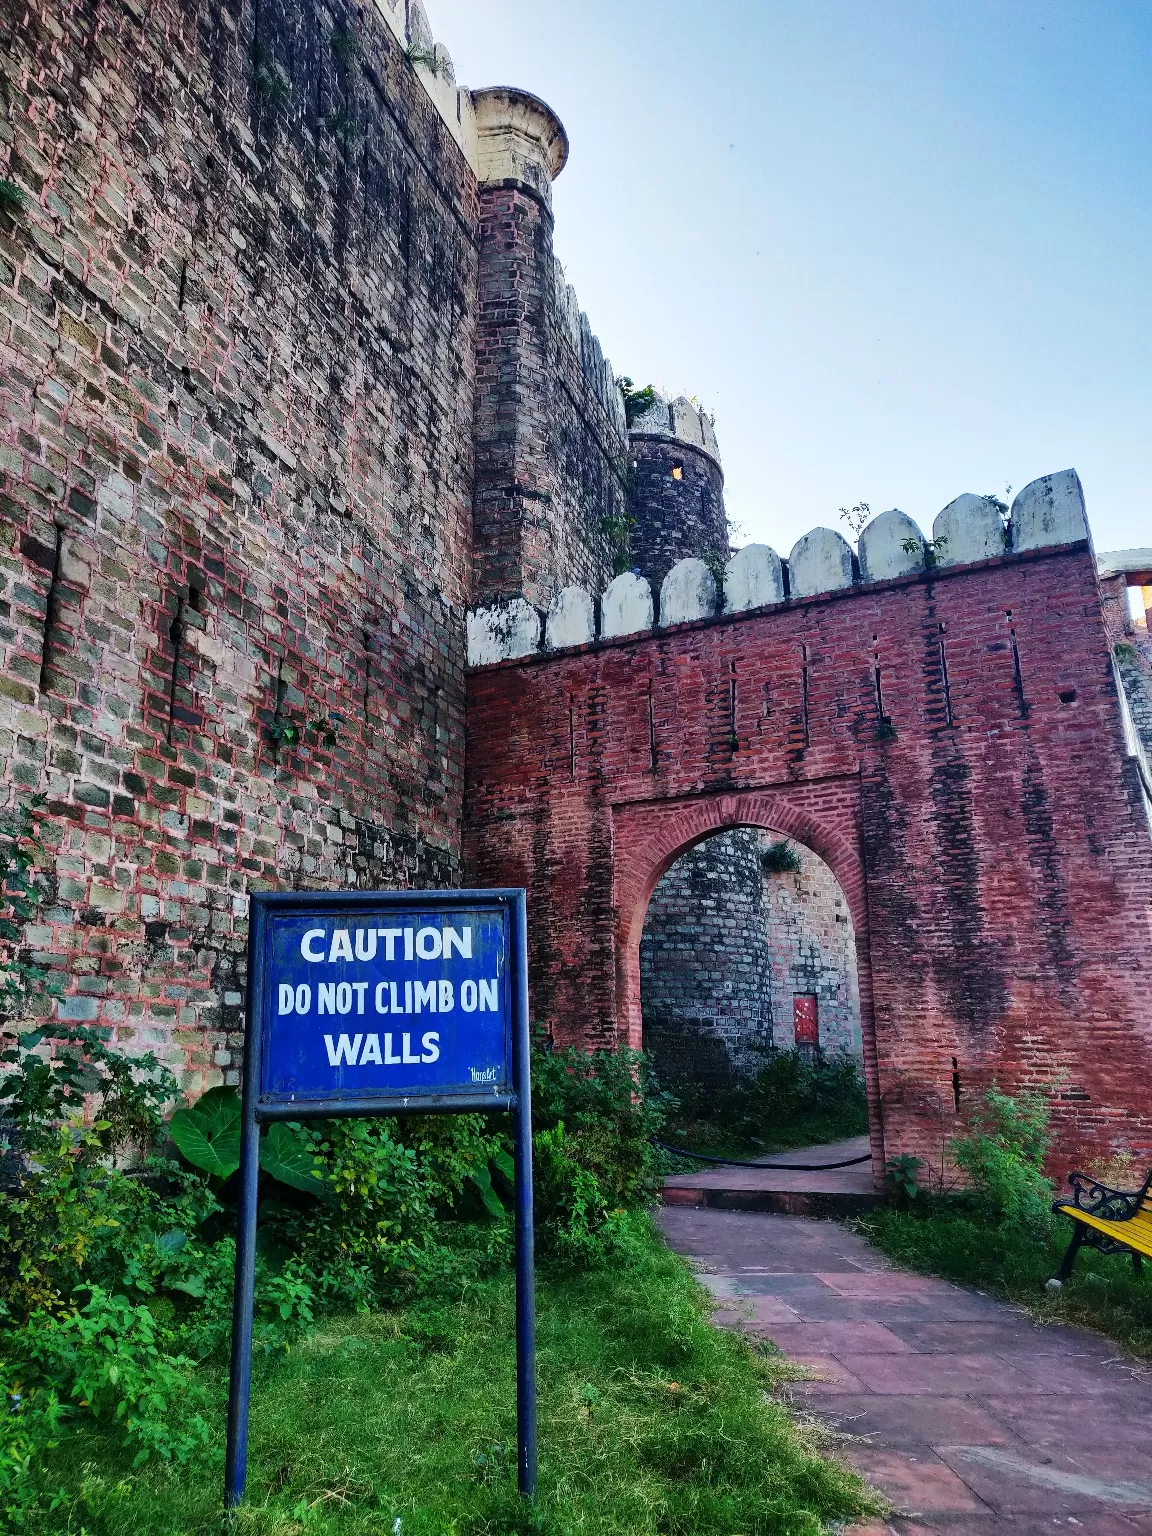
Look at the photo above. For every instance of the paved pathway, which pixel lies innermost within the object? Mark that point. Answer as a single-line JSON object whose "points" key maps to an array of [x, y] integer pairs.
{"points": [[967, 1416], [831, 1191]]}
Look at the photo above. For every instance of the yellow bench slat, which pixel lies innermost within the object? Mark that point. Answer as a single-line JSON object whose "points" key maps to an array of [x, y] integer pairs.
{"points": [[1136, 1233]]}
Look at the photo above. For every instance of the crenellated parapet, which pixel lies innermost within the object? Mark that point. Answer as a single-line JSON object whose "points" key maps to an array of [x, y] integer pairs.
{"points": [[1046, 514], [575, 330]]}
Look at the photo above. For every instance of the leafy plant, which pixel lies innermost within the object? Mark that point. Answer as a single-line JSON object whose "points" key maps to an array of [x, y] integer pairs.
{"points": [[271, 83], [617, 529], [637, 402], [781, 859], [427, 57], [1124, 651], [930, 547], [1004, 1154], [903, 1174], [345, 44], [207, 1133], [341, 126], [857, 517]]}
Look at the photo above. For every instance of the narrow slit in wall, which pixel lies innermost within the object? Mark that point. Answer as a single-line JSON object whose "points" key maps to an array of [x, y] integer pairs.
{"points": [[572, 736], [944, 682], [733, 700], [51, 606], [804, 698], [176, 636], [1017, 672], [652, 761]]}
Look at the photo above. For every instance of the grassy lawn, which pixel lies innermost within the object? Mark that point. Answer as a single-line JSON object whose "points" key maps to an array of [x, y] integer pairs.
{"points": [[403, 1424], [941, 1237]]}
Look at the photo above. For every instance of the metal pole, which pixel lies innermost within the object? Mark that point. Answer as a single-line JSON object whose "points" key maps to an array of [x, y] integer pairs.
{"points": [[240, 1371], [525, 1223]]}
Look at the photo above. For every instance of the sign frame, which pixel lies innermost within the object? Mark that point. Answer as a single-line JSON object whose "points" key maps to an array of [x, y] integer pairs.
{"points": [[515, 1098]]}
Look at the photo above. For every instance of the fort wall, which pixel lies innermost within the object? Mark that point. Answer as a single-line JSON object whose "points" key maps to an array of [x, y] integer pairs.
{"points": [[239, 307], [949, 740]]}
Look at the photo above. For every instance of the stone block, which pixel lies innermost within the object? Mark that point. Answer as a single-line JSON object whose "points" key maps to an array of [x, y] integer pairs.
{"points": [[891, 545], [503, 632], [1049, 511], [968, 529], [753, 578], [626, 607], [571, 619], [821, 561], [687, 592]]}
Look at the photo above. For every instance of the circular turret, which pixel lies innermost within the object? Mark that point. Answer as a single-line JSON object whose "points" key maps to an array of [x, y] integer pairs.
{"points": [[677, 499]]}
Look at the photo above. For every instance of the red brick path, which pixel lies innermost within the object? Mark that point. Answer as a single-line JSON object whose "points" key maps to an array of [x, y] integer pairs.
{"points": [[968, 1417]]}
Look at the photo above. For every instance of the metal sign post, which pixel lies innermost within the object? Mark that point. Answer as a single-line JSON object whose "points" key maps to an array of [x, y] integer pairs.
{"points": [[385, 1003]]}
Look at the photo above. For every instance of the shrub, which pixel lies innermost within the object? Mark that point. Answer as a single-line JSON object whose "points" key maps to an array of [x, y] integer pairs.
{"points": [[1004, 1154]]}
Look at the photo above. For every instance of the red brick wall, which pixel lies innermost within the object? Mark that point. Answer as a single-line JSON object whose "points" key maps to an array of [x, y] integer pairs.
{"points": [[236, 363], [991, 840]]}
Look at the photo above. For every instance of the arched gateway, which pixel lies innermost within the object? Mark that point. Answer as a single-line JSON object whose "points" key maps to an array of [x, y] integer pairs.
{"points": [[952, 742]]}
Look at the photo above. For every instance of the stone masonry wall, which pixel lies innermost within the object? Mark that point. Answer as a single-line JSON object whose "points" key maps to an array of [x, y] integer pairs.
{"points": [[728, 945], [551, 448], [675, 517], [704, 964], [237, 321], [811, 952]]}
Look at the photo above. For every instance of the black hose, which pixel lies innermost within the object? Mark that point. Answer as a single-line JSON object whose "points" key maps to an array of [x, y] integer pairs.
{"points": [[734, 1162]]}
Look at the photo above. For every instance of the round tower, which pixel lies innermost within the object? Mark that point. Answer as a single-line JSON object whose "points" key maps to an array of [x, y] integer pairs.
{"points": [[677, 502]]}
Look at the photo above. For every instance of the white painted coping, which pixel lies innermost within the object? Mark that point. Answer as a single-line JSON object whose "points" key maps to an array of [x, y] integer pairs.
{"points": [[503, 632], [626, 607], [753, 578], [882, 552], [971, 528], [687, 592], [571, 619], [1049, 511], [820, 562]]}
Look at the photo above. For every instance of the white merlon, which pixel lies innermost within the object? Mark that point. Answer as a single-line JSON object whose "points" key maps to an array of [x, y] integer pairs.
{"points": [[408, 22], [753, 578], [571, 619], [1049, 511], [593, 364], [503, 632], [820, 562], [680, 419], [1135, 564], [968, 529], [891, 545], [626, 607], [687, 592]]}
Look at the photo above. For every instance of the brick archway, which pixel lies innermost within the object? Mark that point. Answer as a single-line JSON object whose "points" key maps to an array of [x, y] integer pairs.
{"points": [[950, 744], [647, 840]]}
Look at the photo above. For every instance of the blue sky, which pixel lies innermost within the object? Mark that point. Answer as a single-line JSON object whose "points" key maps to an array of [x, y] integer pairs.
{"points": [[900, 248]]}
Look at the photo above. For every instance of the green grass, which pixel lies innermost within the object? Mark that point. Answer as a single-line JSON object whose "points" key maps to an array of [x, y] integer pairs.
{"points": [[946, 1237], [403, 1424]]}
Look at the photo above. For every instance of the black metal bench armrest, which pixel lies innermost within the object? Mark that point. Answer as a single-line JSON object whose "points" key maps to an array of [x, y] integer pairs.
{"points": [[1097, 1199]]}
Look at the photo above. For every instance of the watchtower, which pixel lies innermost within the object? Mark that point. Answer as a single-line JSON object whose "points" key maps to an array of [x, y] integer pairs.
{"points": [[677, 500]]}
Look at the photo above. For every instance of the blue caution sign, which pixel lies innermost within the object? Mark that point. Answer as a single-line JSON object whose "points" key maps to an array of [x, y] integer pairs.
{"points": [[395, 1001], [384, 1003]]}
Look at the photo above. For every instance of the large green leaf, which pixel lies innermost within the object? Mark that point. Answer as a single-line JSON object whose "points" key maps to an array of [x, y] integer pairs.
{"points": [[505, 1164], [483, 1182], [207, 1133], [287, 1156]]}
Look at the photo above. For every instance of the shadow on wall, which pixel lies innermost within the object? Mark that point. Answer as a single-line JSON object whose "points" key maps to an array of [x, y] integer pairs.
{"points": [[748, 945]]}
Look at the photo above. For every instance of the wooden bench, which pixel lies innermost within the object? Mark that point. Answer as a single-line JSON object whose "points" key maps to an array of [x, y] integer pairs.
{"points": [[1109, 1220]]}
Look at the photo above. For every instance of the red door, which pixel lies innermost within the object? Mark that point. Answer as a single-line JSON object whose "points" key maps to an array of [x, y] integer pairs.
{"points": [[805, 1021]]}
